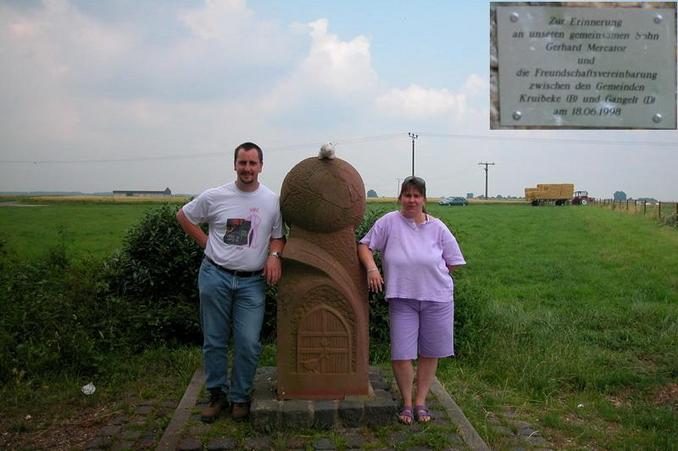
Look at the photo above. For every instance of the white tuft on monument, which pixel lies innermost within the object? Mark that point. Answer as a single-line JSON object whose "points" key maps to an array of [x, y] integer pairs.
{"points": [[327, 152]]}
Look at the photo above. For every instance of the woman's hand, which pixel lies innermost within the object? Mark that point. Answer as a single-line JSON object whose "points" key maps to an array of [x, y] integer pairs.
{"points": [[374, 280]]}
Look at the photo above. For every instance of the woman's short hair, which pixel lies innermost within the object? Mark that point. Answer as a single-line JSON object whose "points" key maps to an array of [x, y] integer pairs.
{"points": [[417, 183]]}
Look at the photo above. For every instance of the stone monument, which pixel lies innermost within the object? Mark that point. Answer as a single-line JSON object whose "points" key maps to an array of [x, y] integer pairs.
{"points": [[322, 322]]}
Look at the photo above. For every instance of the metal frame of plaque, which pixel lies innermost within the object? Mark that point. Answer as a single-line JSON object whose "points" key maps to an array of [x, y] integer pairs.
{"points": [[572, 65]]}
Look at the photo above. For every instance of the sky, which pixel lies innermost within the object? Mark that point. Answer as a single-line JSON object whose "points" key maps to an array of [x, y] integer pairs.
{"points": [[141, 94]]}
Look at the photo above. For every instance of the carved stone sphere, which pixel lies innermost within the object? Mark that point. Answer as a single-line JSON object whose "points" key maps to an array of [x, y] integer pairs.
{"points": [[323, 195]]}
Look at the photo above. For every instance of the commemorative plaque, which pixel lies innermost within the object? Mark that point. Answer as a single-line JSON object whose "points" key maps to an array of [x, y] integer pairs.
{"points": [[586, 67]]}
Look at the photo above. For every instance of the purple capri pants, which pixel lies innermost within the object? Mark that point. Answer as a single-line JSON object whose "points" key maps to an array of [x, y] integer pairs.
{"points": [[422, 328]]}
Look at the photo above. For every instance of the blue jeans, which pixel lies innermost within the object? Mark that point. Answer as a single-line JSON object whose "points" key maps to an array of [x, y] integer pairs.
{"points": [[230, 302]]}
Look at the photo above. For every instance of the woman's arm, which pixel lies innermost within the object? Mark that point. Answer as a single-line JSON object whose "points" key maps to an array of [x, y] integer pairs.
{"points": [[374, 280]]}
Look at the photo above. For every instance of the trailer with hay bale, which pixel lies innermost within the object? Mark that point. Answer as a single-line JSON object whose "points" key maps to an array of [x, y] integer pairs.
{"points": [[550, 193]]}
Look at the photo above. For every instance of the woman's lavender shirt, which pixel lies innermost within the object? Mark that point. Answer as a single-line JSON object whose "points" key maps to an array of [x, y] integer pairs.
{"points": [[415, 257]]}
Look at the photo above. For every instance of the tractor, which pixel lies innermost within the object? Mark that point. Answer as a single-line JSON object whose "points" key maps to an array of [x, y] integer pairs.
{"points": [[581, 198]]}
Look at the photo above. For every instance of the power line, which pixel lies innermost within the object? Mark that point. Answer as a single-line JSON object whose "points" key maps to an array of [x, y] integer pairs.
{"points": [[365, 139], [119, 160], [218, 154], [356, 140], [501, 137]]}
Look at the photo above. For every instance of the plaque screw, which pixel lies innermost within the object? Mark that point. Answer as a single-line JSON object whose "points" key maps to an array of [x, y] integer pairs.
{"points": [[657, 118], [658, 18], [517, 115], [515, 17]]}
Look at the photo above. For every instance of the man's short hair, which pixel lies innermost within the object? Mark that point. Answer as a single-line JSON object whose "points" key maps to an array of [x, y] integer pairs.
{"points": [[248, 146]]}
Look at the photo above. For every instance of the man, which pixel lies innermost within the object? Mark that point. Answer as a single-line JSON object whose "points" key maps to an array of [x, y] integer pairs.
{"points": [[242, 254]]}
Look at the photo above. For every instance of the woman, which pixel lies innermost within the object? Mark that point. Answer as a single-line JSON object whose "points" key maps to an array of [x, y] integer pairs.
{"points": [[418, 253]]}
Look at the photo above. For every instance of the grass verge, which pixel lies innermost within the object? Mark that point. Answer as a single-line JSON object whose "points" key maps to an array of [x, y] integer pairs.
{"points": [[55, 414], [569, 316]]}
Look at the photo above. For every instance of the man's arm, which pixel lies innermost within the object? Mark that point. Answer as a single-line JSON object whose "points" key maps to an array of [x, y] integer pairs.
{"points": [[273, 265], [191, 229]]}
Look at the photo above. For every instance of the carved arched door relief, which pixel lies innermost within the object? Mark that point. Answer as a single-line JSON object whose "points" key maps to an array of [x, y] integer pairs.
{"points": [[324, 343]]}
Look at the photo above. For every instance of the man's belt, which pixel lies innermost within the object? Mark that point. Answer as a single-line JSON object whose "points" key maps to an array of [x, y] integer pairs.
{"points": [[234, 272]]}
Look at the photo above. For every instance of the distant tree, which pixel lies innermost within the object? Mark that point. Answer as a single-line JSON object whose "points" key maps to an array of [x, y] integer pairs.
{"points": [[620, 196], [372, 193]]}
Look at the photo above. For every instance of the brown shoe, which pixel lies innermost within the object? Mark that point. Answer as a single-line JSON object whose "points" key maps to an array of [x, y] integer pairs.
{"points": [[217, 403], [241, 410]]}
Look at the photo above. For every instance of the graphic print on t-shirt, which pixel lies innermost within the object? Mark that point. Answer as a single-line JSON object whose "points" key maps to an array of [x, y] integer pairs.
{"points": [[237, 232], [255, 220], [243, 232]]}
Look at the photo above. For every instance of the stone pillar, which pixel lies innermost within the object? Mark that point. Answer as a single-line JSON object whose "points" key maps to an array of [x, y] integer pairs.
{"points": [[322, 322]]}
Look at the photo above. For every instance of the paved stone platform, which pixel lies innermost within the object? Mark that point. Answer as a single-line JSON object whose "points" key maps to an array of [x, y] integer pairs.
{"points": [[164, 425], [138, 427], [141, 424], [442, 433], [270, 414]]}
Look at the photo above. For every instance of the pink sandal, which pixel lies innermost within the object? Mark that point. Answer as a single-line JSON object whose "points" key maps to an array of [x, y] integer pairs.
{"points": [[405, 415], [422, 414]]}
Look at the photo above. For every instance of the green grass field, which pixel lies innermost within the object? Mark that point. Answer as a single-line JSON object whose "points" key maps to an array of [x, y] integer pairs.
{"points": [[85, 228], [567, 315], [570, 306]]}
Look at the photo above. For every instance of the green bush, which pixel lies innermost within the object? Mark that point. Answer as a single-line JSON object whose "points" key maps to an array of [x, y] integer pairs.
{"points": [[379, 329], [158, 260], [156, 273], [671, 220], [44, 326], [61, 315], [61, 318]]}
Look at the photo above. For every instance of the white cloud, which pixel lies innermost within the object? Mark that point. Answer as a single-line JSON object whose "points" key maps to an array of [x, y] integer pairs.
{"points": [[231, 32], [210, 22], [420, 102], [333, 69], [341, 66], [417, 101], [475, 85]]}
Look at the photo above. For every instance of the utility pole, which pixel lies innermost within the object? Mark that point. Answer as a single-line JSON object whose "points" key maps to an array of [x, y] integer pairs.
{"points": [[486, 171], [413, 136]]}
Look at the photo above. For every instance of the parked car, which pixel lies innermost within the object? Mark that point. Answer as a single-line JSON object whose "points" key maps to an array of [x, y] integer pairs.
{"points": [[453, 201]]}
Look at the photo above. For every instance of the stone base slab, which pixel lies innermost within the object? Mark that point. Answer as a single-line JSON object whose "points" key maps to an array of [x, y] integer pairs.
{"points": [[270, 414]]}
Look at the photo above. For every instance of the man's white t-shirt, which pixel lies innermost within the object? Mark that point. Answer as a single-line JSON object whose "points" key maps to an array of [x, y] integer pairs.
{"points": [[240, 224]]}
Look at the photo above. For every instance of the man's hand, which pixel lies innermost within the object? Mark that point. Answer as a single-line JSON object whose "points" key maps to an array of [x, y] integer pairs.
{"points": [[272, 269]]}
